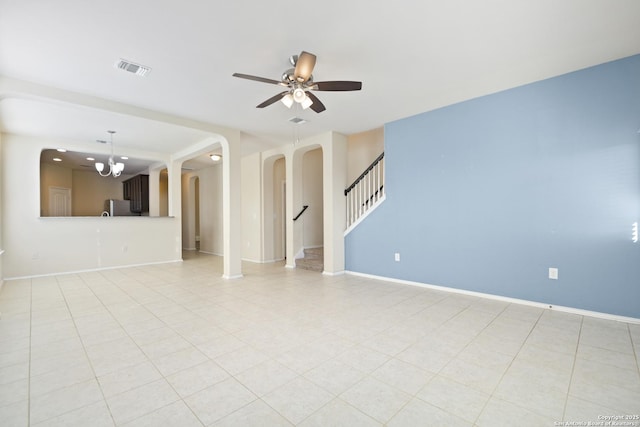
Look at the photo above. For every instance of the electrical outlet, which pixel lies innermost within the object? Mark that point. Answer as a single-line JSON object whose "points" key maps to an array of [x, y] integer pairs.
{"points": [[397, 256], [553, 273]]}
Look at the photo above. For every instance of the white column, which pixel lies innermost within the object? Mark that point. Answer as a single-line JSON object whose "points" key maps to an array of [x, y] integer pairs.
{"points": [[334, 182], [293, 167], [232, 206], [154, 192], [174, 169]]}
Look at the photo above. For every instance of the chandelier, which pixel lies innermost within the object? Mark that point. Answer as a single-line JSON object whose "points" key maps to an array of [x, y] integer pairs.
{"points": [[115, 169]]}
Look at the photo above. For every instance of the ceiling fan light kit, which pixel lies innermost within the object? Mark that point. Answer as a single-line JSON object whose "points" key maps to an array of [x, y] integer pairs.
{"points": [[287, 100], [299, 82]]}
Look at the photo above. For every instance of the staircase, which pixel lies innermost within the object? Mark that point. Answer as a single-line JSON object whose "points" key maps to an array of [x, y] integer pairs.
{"points": [[313, 259], [366, 192]]}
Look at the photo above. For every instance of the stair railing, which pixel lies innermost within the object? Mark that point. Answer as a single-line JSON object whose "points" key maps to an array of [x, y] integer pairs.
{"points": [[304, 208], [365, 191]]}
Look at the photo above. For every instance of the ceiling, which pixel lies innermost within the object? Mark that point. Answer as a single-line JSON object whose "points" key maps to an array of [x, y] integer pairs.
{"points": [[411, 57]]}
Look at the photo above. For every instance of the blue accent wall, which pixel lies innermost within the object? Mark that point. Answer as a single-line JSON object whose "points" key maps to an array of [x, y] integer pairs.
{"points": [[487, 194]]}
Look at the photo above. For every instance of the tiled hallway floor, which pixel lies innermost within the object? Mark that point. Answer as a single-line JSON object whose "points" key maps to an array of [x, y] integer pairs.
{"points": [[175, 345]]}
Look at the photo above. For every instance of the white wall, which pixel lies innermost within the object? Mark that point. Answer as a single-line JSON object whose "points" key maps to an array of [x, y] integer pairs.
{"points": [[38, 246], [1, 217], [279, 177], [252, 208], [362, 149], [211, 224], [312, 196], [210, 214]]}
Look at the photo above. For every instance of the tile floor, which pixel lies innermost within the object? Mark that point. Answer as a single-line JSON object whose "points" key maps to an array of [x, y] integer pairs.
{"points": [[175, 345]]}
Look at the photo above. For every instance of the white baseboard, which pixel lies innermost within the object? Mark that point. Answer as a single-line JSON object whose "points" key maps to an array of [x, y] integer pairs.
{"points": [[267, 261], [90, 270], [210, 253], [337, 273], [572, 310]]}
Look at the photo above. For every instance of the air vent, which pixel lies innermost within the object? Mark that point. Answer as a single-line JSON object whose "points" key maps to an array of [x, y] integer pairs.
{"points": [[132, 67], [297, 120]]}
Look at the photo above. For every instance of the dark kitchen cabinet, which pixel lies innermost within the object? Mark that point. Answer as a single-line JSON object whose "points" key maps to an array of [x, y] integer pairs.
{"points": [[136, 190]]}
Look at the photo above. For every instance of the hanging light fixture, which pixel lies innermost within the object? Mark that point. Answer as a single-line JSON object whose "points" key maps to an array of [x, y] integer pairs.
{"points": [[115, 169]]}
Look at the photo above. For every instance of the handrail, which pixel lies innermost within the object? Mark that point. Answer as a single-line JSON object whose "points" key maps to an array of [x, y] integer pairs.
{"points": [[304, 208], [363, 174]]}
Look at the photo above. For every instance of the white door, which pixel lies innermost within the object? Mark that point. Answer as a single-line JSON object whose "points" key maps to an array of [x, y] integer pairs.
{"points": [[59, 201]]}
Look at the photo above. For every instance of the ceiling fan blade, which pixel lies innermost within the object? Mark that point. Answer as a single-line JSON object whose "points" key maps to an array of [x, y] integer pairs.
{"points": [[304, 66], [257, 79], [273, 99], [338, 85], [317, 106]]}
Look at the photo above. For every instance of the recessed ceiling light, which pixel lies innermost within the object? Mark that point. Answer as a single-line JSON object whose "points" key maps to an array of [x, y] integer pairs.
{"points": [[91, 159], [124, 158], [61, 150], [215, 157], [57, 159]]}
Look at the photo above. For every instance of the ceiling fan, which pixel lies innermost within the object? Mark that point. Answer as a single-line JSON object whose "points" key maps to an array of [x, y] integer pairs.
{"points": [[299, 83]]}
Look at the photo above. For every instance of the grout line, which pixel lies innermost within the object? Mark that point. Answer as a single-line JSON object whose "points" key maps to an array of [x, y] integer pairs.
{"points": [[573, 367], [633, 348], [492, 394], [84, 349], [173, 288]]}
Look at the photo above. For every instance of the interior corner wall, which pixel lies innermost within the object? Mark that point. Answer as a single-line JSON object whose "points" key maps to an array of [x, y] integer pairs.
{"points": [[488, 194]]}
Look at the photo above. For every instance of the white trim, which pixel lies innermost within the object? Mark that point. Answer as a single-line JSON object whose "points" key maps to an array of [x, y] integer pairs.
{"points": [[361, 218], [210, 253], [337, 273], [266, 261], [237, 276], [89, 270], [314, 247], [571, 310]]}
